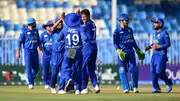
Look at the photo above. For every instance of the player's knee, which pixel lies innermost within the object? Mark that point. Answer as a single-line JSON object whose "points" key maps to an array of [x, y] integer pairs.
{"points": [[134, 69], [160, 73], [122, 70], [54, 73]]}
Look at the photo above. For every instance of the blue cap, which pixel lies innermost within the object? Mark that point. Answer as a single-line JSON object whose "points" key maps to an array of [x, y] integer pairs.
{"points": [[124, 17], [72, 19], [49, 23], [57, 19], [158, 20], [31, 20]]}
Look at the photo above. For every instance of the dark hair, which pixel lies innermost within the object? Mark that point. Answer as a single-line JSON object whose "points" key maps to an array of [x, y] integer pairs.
{"points": [[86, 12]]}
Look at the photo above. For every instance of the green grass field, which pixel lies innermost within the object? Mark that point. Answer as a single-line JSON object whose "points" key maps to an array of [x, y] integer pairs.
{"points": [[108, 93]]}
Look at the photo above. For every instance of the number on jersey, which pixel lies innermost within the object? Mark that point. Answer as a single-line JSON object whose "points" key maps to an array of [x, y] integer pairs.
{"points": [[75, 39]]}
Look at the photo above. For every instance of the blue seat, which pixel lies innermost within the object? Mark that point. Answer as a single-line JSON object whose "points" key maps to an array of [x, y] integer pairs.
{"points": [[20, 3], [17, 27], [57, 4], [161, 15], [66, 4], [39, 3], [96, 12], [8, 25], [49, 4], [122, 8], [140, 7], [142, 15], [148, 27], [30, 6]]}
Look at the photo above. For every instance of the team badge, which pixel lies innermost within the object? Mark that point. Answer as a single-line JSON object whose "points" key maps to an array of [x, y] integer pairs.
{"points": [[121, 32], [28, 32], [45, 35]]}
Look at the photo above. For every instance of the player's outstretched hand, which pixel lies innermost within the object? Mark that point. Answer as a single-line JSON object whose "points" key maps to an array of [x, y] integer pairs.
{"points": [[78, 11], [140, 54], [156, 47], [148, 48], [63, 16]]}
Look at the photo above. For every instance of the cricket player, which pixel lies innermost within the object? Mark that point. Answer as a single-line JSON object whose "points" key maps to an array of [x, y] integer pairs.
{"points": [[46, 41], [125, 44], [57, 54], [71, 66], [30, 40], [161, 42], [89, 52]]}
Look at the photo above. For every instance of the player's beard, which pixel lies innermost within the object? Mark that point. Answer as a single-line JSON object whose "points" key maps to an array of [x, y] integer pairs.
{"points": [[124, 25], [33, 26], [157, 28]]}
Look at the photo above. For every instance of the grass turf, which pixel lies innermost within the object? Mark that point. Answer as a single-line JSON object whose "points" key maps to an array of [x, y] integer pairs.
{"points": [[108, 93]]}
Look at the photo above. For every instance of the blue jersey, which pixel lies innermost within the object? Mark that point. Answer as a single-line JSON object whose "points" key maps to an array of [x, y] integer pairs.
{"points": [[29, 38], [46, 42], [124, 39], [57, 46], [89, 30], [71, 36], [161, 38]]}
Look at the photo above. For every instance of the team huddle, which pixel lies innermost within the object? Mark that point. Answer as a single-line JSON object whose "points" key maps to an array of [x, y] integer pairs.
{"points": [[69, 47], [70, 50]]}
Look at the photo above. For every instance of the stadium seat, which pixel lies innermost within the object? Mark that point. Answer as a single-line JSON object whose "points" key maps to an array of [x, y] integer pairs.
{"points": [[161, 15], [142, 15], [103, 33], [17, 29], [49, 11], [5, 13], [14, 13], [2, 29], [58, 8], [96, 12], [67, 7], [39, 3], [148, 27], [100, 23], [75, 2], [20, 3], [123, 9], [31, 10], [3, 3]]}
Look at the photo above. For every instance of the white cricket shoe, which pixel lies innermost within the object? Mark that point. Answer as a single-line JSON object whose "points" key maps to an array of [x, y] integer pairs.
{"points": [[126, 91], [31, 87], [46, 86], [97, 89], [77, 92], [53, 90], [68, 85], [135, 90], [85, 91], [61, 92]]}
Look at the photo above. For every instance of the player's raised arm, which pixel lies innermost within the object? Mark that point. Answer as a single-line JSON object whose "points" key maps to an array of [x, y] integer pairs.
{"points": [[59, 21]]}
